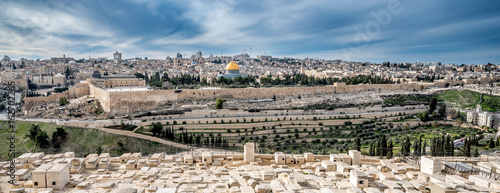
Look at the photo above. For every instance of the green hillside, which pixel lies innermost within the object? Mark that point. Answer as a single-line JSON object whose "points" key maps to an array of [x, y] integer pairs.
{"points": [[461, 99], [491, 103], [79, 140], [469, 99]]}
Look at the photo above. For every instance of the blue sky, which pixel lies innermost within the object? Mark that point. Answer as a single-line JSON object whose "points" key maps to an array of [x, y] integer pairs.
{"points": [[449, 31]]}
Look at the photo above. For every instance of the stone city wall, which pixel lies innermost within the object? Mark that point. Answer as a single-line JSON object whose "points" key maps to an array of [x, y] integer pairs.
{"points": [[18, 82], [102, 95], [120, 103], [79, 90], [124, 102]]}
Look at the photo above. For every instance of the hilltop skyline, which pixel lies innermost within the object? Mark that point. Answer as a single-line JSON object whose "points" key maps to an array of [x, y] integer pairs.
{"points": [[400, 31]]}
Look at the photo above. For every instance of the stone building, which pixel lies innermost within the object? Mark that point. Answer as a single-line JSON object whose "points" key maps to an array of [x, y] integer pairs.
{"points": [[59, 79], [117, 57], [480, 118], [115, 81]]}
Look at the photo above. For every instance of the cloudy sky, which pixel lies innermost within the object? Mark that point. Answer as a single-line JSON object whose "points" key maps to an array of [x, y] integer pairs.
{"points": [[449, 31]]}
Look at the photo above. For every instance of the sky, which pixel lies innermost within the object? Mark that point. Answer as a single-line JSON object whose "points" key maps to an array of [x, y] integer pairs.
{"points": [[447, 31]]}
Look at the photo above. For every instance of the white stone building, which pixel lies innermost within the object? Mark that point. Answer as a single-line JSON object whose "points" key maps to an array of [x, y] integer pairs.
{"points": [[480, 118]]}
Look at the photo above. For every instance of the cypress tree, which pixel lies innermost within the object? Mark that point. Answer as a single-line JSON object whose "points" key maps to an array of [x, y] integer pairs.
{"points": [[451, 151], [383, 145], [416, 147], [423, 147], [406, 146], [378, 152], [492, 143], [357, 144], [370, 151], [451, 147], [466, 148], [403, 148], [389, 152], [446, 146], [433, 147]]}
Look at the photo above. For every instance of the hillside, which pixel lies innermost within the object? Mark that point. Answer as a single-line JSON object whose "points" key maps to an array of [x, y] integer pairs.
{"points": [[469, 99], [79, 140]]}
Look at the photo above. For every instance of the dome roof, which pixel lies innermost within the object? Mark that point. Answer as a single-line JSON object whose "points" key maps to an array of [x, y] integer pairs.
{"points": [[232, 66], [96, 74]]}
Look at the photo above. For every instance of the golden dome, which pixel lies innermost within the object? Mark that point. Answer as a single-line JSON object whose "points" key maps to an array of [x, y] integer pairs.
{"points": [[232, 66]]}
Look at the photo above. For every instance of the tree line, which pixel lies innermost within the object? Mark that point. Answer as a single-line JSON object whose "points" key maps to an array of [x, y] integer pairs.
{"points": [[198, 139], [157, 80], [42, 140]]}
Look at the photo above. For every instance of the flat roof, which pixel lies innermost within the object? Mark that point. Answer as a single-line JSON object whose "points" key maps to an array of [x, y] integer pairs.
{"points": [[462, 167], [103, 155], [127, 89], [43, 168], [25, 155], [58, 168]]}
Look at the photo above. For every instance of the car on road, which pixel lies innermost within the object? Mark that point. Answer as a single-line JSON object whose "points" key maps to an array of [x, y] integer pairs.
{"points": [[61, 119], [91, 120], [66, 119]]}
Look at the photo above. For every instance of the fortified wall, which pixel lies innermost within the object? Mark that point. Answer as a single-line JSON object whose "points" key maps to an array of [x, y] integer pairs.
{"points": [[123, 102], [18, 82], [81, 89], [119, 103]]}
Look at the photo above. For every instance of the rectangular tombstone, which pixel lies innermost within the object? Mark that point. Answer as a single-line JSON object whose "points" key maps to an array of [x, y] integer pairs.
{"points": [[358, 179], [355, 156], [430, 165], [58, 176], [345, 158], [39, 176], [309, 157], [249, 154]]}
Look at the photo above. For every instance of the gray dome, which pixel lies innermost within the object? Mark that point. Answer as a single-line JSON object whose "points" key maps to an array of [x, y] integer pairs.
{"points": [[96, 74]]}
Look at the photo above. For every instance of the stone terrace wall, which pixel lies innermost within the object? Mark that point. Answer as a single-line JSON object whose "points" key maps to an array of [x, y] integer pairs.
{"points": [[79, 90]]}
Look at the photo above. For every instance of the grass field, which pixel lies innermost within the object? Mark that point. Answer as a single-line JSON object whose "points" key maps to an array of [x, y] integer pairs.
{"points": [[79, 140], [461, 99], [469, 99]]}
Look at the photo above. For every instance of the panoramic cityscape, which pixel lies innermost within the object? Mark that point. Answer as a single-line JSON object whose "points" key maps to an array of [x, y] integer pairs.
{"points": [[252, 97]]}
